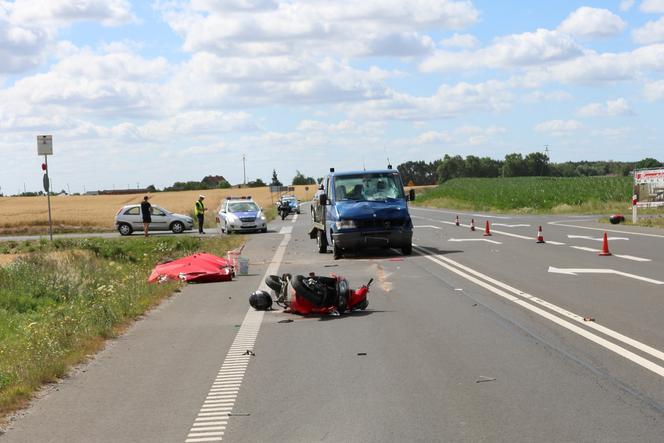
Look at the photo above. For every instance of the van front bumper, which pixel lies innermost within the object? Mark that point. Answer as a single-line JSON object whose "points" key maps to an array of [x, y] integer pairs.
{"points": [[363, 239]]}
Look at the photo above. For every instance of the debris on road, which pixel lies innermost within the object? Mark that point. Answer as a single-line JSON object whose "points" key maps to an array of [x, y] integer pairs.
{"points": [[361, 353], [484, 379], [588, 319], [287, 320], [238, 414], [249, 352]]}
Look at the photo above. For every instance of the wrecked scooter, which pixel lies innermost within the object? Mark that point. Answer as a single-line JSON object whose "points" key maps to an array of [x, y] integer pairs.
{"points": [[317, 295]]}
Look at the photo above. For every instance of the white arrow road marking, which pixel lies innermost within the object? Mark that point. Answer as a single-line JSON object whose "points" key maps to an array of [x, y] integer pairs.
{"points": [[596, 239], [626, 257], [511, 226], [575, 271], [528, 301], [427, 226], [476, 239]]}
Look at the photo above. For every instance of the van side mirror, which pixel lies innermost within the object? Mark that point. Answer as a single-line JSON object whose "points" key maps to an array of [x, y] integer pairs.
{"points": [[322, 199], [411, 195]]}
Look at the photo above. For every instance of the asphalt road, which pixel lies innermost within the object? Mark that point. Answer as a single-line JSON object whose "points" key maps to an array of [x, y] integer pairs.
{"points": [[465, 340]]}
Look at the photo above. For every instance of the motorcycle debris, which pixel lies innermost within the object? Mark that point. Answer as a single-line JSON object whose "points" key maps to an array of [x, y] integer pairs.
{"points": [[288, 320], [483, 379], [361, 353], [238, 414], [330, 266], [588, 318], [249, 352]]}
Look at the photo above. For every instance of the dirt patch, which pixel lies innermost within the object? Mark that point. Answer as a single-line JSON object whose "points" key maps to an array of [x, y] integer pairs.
{"points": [[6, 259]]}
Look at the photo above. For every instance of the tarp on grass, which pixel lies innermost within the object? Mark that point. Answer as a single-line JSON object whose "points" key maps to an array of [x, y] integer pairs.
{"points": [[197, 268]]}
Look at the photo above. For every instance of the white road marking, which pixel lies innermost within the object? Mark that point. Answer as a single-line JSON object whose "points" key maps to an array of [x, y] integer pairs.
{"points": [[466, 272], [475, 239], [217, 404], [555, 243], [626, 257], [576, 271], [560, 223], [427, 226], [460, 213], [294, 217], [520, 225], [286, 230], [595, 238]]}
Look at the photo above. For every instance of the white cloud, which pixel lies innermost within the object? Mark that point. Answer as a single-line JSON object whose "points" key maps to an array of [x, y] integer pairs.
{"points": [[465, 41], [654, 91], [317, 27], [558, 127], [553, 96], [651, 32], [652, 6], [56, 13], [610, 108], [626, 5], [528, 49], [592, 22], [448, 101]]}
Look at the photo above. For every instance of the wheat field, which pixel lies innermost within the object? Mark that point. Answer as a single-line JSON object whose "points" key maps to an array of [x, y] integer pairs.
{"points": [[74, 212]]}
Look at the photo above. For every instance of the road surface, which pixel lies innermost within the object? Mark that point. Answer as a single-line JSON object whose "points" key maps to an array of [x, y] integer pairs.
{"points": [[472, 338]]}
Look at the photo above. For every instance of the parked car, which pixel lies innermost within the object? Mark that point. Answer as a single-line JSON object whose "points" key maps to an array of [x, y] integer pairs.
{"points": [[129, 218], [240, 214]]}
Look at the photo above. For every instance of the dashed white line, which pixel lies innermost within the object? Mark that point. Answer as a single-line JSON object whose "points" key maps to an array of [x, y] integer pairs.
{"points": [[217, 404]]}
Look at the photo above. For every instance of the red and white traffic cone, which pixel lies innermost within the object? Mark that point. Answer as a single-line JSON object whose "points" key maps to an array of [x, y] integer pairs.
{"points": [[472, 224], [540, 237], [605, 247], [487, 231], [456, 221]]}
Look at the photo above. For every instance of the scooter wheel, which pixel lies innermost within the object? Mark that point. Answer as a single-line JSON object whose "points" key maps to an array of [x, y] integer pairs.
{"points": [[273, 282]]}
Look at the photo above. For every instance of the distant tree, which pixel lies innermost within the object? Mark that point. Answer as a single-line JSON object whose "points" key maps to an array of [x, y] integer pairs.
{"points": [[514, 166], [490, 167], [258, 183], [451, 167], [537, 164], [275, 180], [647, 163], [419, 172], [151, 188], [300, 179]]}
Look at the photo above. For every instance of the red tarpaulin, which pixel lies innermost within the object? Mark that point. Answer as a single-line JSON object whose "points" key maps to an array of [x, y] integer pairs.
{"points": [[198, 268]]}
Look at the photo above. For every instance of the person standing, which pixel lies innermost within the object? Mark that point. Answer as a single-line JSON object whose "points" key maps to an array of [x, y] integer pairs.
{"points": [[146, 212], [199, 210]]}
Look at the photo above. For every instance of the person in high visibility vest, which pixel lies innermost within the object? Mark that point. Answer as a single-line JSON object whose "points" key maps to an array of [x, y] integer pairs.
{"points": [[199, 210]]}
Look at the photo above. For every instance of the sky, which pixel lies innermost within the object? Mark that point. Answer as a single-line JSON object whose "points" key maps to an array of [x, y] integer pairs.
{"points": [[157, 91]]}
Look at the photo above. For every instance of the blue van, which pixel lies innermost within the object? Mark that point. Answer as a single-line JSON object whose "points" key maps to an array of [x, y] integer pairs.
{"points": [[359, 209]]}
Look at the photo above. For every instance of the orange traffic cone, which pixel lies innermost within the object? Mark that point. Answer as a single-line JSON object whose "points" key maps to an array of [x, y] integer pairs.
{"points": [[540, 237], [456, 220], [487, 231], [605, 247], [472, 224]]}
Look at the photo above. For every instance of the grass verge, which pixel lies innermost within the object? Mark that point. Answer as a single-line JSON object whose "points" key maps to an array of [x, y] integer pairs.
{"points": [[59, 300]]}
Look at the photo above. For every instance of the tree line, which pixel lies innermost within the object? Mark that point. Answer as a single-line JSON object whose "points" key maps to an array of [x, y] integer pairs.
{"points": [[513, 165]]}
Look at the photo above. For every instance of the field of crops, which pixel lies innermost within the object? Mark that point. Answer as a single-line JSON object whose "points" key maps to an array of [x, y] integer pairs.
{"points": [[532, 194]]}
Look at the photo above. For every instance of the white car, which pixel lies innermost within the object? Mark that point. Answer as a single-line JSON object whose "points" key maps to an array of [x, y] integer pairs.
{"points": [[240, 215], [129, 218]]}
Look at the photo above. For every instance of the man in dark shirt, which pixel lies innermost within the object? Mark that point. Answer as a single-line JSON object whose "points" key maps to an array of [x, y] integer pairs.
{"points": [[146, 211]]}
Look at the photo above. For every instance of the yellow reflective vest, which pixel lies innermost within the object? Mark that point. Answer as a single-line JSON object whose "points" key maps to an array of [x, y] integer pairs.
{"points": [[199, 208]]}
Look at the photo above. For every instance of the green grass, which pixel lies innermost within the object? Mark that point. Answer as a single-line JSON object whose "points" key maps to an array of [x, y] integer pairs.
{"points": [[533, 194], [60, 300]]}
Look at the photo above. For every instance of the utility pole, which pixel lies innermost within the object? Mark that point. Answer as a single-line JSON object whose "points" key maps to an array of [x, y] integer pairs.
{"points": [[244, 170], [546, 150]]}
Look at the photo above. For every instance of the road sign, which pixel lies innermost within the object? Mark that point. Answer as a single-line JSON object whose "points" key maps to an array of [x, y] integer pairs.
{"points": [[44, 145]]}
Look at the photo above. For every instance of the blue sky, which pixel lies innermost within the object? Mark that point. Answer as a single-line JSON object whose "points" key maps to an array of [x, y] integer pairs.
{"points": [[153, 92]]}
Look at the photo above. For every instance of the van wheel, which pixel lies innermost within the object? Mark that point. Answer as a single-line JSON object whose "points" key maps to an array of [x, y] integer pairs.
{"points": [[407, 249], [336, 250], [322, 242]]}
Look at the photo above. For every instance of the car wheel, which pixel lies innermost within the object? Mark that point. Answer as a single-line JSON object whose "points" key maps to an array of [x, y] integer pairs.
{"points": [[264, 230], [336, 250], [177, 227], [407, 249], [322, 242], [125, 229]]}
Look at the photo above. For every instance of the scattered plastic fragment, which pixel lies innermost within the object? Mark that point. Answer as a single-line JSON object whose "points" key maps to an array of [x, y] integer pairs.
{"points": [[238, 414], [588, 318], [361, 353], [483, 379], [474, 304], [288, 320], [330, 266], [249, 352], [395, 259]]}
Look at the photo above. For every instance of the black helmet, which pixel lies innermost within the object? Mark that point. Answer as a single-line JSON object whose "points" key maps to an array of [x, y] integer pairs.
{"points": [[260, 301]]}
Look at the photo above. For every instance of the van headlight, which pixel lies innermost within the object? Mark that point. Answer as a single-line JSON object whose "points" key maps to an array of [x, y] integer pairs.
{"points": [[345, 224]]}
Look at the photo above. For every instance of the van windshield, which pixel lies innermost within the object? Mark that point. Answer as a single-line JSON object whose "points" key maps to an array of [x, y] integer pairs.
{"points": [[368, 187]]}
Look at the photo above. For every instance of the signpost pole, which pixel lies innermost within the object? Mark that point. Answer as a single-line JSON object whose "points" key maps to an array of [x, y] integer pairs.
{"points": [[48, 198], [635, 217]]}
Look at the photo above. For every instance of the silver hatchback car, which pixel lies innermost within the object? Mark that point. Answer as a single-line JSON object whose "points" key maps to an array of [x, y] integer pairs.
{"points": [[129, 218]]}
